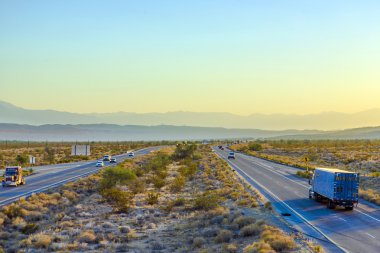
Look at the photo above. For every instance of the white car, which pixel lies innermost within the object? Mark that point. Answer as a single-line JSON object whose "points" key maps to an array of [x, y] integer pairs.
{"points": [[231, 155], [100, 164], [106, 158], [131, 154]]}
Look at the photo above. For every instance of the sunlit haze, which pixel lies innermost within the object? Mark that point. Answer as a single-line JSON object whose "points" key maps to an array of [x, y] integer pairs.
{"points": [[241, 57]]}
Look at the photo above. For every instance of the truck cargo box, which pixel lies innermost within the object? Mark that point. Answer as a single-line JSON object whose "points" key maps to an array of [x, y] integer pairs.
{"points": [[338, 186]]}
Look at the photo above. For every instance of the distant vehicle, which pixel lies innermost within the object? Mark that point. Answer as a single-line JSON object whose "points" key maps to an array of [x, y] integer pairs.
{"points": [[231, 155], [13, 176], [131, 154], [100, 164], [106, 158], [113, 160], [338, 187], [220, 147]]}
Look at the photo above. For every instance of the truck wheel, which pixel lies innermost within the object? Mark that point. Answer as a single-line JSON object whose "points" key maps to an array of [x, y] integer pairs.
{"points": [[330, 205], [349, 208]]}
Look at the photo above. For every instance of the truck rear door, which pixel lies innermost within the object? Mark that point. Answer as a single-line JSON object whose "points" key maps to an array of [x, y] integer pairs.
{"points": [[346, 186]]}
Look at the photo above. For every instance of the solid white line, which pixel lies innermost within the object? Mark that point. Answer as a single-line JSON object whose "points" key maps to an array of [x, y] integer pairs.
{"points": [[370, 235], [342, 219], [290, 208], [367, 215]]}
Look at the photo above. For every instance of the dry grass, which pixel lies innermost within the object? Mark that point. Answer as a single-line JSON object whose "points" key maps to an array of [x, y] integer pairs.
{"points": [[87, 237]]}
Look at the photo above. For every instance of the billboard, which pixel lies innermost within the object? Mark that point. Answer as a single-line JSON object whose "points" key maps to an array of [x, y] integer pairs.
{"points": [[80, 150]]}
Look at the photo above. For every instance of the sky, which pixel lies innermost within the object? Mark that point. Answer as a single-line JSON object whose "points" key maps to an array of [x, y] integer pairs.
{"points": [[242, 57]]}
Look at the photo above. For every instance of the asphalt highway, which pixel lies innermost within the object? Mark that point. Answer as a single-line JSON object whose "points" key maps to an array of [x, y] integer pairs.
{"points": [[338, 230], [50, 176]]}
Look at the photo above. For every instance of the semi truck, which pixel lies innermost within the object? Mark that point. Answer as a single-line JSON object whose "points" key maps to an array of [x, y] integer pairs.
{"points": [[337, 187], [13, 176]]}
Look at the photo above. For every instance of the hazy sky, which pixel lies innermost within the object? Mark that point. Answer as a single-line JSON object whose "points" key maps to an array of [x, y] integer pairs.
{"points": [[155, 56]]}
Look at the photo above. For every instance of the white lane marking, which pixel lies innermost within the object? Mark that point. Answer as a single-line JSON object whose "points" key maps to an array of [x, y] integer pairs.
{"points": [[308, 187], [367, 215], [282, 175], [371, 235], [290, 208], [342, 219]]}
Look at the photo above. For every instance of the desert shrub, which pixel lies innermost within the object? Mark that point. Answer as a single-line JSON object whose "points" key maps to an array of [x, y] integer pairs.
{"points": [[29, 228], [179, 202], [152, 198], [184, 151], [229, 248], [370, 195], [250, 230], [177, 184], [41, 240], [87, 237], [113, 176], [223, 236], [198, 242], [268, 205], [374, 174], [158, 162], [277, 239], [121, 200], [22, 159], [254, 146], [242, 221], [259, 247], [189, 168], [70, 195], [137, 186], [158, 182], [303, 174], [206, 201], [14, 210]]}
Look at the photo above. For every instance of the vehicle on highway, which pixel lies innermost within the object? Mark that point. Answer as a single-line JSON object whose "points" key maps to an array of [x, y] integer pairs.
{"points": [[220, 147], [131, 154], [107, 158], [100, 164], [337, 187], [231, 155], [113, 160], [13, 176]]}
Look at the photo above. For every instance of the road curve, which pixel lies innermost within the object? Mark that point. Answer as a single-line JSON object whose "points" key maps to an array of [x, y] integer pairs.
{"points": [[50, 176], [356, 231]]}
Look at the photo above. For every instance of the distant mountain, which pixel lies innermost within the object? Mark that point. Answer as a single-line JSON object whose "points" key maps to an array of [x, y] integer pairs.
{"points": [[355, 133], [323, 121], [106, 132]]}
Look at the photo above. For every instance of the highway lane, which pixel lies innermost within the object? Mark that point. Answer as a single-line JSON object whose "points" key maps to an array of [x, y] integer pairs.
{"points": [[51, 176], [353, 231]]}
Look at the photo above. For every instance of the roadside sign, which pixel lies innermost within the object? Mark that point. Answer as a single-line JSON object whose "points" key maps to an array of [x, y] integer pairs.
{"points": [[32, 160]]}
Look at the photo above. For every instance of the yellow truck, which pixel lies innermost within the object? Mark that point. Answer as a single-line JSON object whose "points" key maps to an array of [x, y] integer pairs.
{"points": [[13, 176]]}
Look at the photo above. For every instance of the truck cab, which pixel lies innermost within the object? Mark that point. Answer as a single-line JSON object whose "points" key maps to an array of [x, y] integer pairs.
{"points": [[13, 176]]}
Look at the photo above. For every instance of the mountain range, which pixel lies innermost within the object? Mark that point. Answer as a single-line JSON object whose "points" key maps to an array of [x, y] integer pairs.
{"points": [[107, 132], [10, 113]]}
